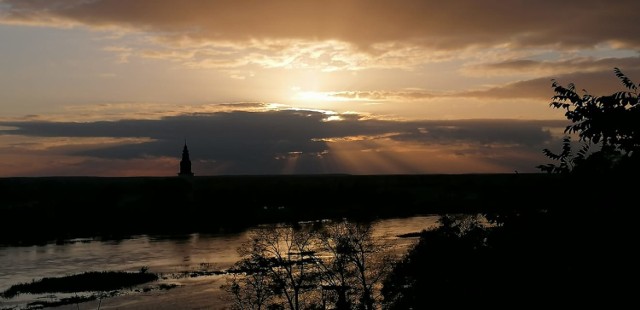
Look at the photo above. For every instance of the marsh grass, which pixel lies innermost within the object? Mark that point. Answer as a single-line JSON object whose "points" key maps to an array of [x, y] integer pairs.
{"points": [[84, 282]]}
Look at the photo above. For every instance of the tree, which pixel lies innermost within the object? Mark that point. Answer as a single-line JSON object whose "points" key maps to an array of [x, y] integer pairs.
{"points": [[567, 159], [304, 266], [254, 290], [447, 268], [286, 254], [338, 275], [611, 121], [358, 263]]}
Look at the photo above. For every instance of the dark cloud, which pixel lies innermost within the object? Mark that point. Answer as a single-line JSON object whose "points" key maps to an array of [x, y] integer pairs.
{"points": [[483, 132], [264, 142], [437, 24]]}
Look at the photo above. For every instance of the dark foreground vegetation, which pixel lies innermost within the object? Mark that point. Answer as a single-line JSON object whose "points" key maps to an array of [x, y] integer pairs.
{"points": [[573, 250], [530, 260]]}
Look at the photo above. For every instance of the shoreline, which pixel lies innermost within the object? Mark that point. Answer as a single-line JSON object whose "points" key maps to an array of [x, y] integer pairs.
{"points": [[46, 209]]}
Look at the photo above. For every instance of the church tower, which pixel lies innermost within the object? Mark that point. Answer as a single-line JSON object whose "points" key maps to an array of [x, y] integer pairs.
{"points": [[185, 163]]}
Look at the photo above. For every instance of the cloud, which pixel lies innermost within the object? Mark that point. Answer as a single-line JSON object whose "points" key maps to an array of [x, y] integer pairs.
{"points": [[139, 110], [597, 78], [241, 142], [337, 35], [602, 82], [482, 132], [124, 53], [326, 56], [382, 95], [238, 37], [451, 24], [546, 68]]}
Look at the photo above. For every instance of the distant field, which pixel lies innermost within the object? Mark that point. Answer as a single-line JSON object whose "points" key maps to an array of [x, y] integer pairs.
{"points": [[60, 207]]}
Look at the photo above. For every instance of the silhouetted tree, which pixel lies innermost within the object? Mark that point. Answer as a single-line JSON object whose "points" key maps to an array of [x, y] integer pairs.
{"points": [[286, 254], [447, 268], [357, 264], [302, 267], [254, 289], [611, 121], [338, 275]]}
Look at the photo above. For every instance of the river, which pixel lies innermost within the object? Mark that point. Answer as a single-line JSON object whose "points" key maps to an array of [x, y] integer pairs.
{"points": [[173, 256]]}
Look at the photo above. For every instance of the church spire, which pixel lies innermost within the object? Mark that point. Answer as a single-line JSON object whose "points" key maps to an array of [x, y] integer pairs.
{"points": [[185, 163]]}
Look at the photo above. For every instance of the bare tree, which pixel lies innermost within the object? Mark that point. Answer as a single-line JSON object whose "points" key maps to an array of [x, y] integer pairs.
{"points": [[285, 255], [304, 268], [370, 257], [253, 289], [338, 273]]}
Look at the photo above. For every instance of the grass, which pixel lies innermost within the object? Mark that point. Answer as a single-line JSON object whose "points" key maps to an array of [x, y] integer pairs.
{"points": [[84, 282]]}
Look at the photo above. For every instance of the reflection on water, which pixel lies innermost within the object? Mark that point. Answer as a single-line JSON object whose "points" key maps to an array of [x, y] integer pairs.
{"points": [[161, 254]]}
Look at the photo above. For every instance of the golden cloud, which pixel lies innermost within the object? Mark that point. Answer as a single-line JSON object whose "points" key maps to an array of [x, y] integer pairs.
{"points": [[444, 24], [339, 34]]}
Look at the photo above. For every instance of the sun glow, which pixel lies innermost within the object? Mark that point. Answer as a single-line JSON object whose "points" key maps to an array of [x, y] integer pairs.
{"points": [[314, 96]]}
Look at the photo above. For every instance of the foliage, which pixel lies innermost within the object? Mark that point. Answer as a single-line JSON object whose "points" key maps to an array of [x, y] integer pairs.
{"points": [[301, 267], [576, 252], [445, 268], [611, 121], [568, 161]]}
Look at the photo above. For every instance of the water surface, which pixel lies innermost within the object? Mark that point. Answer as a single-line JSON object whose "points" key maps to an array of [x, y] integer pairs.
{"points": [[161, 254]]}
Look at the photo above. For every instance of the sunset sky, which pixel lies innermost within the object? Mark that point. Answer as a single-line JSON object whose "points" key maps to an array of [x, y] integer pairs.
{"points": [[114, 87]]}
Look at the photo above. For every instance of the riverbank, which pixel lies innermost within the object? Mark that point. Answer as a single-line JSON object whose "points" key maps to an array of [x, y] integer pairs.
{"points": [[58, 208]]}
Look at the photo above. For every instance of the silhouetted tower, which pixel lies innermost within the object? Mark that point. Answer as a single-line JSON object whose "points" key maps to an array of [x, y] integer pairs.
{"points": [[185, 163]]}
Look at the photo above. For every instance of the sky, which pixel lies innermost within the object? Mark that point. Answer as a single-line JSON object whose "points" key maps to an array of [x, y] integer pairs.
{"points": [[114, 87]]}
